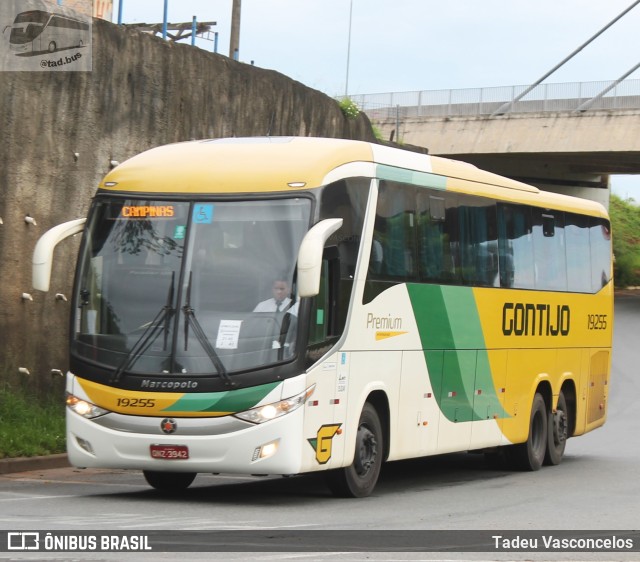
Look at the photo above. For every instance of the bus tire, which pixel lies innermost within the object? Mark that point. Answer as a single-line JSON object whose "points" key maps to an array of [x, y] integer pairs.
{"points": [[530, 454], [558, 432], [169, 481], [52, 47], [359, 479]]}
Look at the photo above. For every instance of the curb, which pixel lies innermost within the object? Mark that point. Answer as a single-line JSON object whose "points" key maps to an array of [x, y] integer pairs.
{"points": [[24, 464]]}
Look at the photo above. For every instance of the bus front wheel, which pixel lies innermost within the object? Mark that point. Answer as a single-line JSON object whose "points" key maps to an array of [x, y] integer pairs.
{"points": [[530, 454], [169, 481], [359, 479]]}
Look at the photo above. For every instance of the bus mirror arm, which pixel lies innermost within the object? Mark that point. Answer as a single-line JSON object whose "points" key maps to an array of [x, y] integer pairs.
{"points": [[310, 256], [43, 252]]}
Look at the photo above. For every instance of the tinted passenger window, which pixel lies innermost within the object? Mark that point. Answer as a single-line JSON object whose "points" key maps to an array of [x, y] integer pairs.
{"points": [[600, 238], [438, 238], [345, 199], [549, 250], [478, 241], [457, 239], [515, 246], [578, 254], [394, 239]]}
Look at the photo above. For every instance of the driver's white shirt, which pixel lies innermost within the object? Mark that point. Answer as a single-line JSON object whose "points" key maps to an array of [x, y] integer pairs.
{"points": [[270, 306]]}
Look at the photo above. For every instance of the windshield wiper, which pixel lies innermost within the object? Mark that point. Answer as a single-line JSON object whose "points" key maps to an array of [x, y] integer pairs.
{"points": [[191, 320], [150, 334]]}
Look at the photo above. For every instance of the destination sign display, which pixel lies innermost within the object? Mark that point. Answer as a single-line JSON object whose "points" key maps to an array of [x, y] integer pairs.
{"points": [[147, 211]]}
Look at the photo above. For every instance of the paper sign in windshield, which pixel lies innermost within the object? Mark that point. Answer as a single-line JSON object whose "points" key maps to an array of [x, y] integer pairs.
{"points": [[228, 334]]}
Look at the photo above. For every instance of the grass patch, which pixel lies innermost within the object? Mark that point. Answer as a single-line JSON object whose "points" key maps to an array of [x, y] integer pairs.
{"points": [[30, 427]]}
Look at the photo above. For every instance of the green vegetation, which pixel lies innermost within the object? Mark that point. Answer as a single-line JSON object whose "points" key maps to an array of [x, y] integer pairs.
{"points": [[376, 132], [30, 427], [625, 226], [349, 108]]}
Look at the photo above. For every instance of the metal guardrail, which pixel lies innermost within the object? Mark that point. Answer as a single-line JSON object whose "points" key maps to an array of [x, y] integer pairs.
{"points": [[572, 96]]}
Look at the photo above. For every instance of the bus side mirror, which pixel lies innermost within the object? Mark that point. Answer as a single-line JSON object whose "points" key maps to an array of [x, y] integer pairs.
{"points": [[310, 256], [43, 253]]}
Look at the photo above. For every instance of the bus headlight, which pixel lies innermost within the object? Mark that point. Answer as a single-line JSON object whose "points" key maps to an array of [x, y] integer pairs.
{"points": [[268, 412], [84, 408]]}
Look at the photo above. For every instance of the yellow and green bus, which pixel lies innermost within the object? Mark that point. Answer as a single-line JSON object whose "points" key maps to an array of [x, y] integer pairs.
{"points": [[430, 307]]}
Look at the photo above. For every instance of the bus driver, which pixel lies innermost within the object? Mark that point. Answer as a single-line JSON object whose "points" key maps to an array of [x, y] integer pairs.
{"points": [[281, 300]]}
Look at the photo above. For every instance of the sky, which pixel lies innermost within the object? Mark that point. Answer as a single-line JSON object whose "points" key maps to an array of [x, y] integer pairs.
{"points": [[405, 45], [372, 46]]}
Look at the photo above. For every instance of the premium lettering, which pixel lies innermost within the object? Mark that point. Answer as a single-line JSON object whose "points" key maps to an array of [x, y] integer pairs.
{"points": [[527, 319], [384, 322]]}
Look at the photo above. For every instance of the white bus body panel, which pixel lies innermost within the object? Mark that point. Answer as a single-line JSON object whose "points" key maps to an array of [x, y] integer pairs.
{"points": [[389, 359]]}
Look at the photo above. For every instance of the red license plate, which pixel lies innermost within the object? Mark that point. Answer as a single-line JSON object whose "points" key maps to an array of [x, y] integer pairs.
{"points": [[169, 452]]}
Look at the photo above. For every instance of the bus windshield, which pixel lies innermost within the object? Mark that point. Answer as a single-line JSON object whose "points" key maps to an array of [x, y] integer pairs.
{"points": [[178, 287]]}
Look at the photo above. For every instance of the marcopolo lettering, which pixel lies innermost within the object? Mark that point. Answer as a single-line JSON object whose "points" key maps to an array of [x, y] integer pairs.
{"points": [[169, 385], [527, 319]]}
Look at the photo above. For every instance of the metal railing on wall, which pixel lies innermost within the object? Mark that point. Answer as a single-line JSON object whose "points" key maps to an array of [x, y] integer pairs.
{"points": [[572, 96]]}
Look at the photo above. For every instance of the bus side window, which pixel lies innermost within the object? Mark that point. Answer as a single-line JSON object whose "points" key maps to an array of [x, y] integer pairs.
{"points": [[600, 239], [438, 243], [578, 254], [515, 246], [327, 320], [478, 241], [549, 250], [394, 233], [430, 233], [344, 199]]}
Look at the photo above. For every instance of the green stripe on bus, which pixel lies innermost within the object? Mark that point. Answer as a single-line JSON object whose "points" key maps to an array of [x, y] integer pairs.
{"points": [[454, 347], [229, 401], [413, 177]]}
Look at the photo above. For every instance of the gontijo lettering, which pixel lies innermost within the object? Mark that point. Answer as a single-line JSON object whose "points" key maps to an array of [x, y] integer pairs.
{"points": [[527, 319], [145, 211]]}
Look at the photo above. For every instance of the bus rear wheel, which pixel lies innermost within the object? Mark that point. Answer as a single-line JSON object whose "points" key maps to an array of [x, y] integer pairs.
{"points": [[558, 432], [169, 481], [359, 479], [530, 454]]}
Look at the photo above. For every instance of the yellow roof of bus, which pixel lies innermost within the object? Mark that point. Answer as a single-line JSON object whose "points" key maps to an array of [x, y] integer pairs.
{"points": [[266, 164]]}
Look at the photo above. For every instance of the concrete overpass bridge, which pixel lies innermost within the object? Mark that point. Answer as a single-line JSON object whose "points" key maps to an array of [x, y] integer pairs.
{"points": [[566, 138]]}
